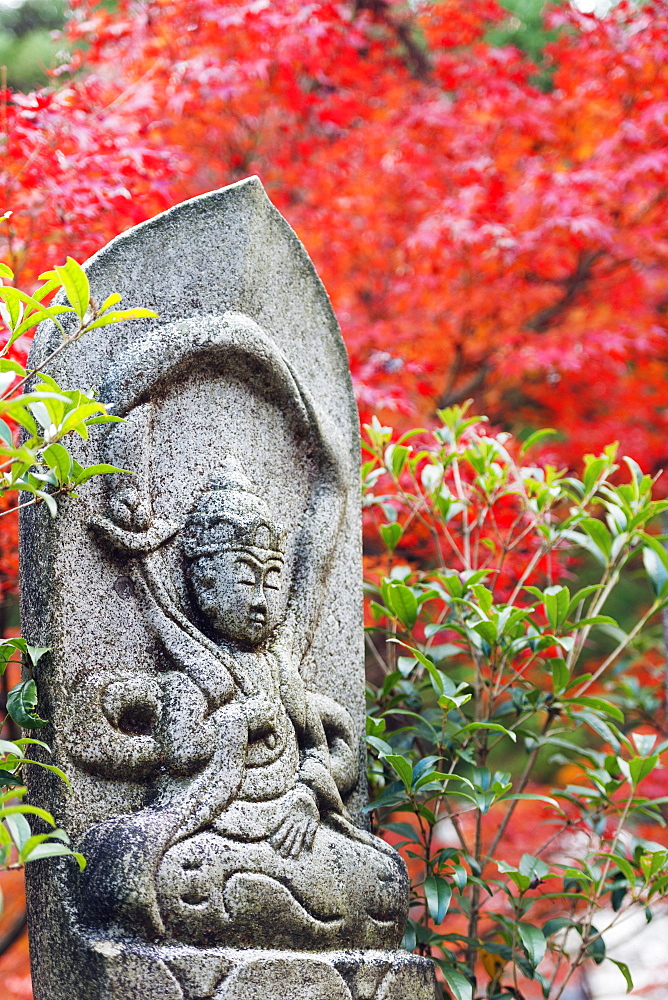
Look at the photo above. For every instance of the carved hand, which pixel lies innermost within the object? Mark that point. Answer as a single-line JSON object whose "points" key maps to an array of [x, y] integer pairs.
{"points": [[315, 773], [260, 713], [298, 829]]}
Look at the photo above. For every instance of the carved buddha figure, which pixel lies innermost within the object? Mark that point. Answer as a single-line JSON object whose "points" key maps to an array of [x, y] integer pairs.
{"points": [[247, 841], [284, 845]]}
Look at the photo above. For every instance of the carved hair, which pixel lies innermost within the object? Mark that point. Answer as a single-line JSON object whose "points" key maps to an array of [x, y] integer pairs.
{"points": [[230, 516]]}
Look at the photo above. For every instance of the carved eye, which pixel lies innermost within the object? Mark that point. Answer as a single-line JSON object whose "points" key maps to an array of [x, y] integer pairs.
{"points": [[245, 574], [272, 580]]}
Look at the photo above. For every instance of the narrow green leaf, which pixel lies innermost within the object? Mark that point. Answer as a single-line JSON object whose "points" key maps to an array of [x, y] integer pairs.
{"points": [[600, 705], [77, 288], [656, 569], [97, 470], [120, 316], [437, 894], [536, 438], [598, 533], [401, 767], [556, 601], [625, 971], [111, 300], [560, 674], [51, 850], [473, 727]]}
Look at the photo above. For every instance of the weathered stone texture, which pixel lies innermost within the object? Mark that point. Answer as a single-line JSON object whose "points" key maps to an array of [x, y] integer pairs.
{"points": [[205, 682]]}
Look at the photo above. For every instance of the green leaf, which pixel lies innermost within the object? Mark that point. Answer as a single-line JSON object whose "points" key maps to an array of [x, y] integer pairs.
{"points": [[459, 876], [9, 365], [600, 705], [403, 603], [533, 868], [6, 271], [106, 418], [625, 971], [536, 438], [399, 455], [35, 654], [120, 316], [606, 732], [596, 948], [391, 534], [458, 984], [77, 288], [97, 470], [36, 318], [26, 810], [598, 533], [8, 778], [49, 501], [375, 727], [556, 601], [595, 620], [21, 705], [379, 745], [54, 850], [401, 767], [533, 940], [58, 458], [594, 468], [19, 828], [656, 570], [531, 797], [560, 674], [582, 595], [111, 300], [473, 727], [16, 301], [5, 434], [437, 894], [640, 767]]}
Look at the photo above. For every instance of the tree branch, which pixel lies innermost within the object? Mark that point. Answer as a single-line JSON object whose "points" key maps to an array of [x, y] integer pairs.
{"points": [[546, 317], [416, 56]]}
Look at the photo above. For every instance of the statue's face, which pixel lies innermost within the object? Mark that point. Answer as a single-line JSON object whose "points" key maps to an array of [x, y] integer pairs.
{"points": [[239, 593]]}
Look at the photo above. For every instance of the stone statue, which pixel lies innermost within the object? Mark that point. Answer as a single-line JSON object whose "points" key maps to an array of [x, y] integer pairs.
{"points": [[216, 778]]}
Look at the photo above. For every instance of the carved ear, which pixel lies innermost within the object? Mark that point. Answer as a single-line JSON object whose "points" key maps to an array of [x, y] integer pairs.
{"points": [[128, 446]]}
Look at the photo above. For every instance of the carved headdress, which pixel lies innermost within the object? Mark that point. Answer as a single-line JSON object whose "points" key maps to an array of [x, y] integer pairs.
{"points": [[230, 516]]}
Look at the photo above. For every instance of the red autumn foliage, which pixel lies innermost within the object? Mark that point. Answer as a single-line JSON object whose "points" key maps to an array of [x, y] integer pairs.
{"points": [[478, 236]]}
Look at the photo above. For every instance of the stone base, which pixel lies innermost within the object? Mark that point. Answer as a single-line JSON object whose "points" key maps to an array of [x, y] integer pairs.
{"points": [[182, 973]]}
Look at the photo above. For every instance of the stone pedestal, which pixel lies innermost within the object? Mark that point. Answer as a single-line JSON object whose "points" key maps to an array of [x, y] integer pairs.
{"points": [[182, 973], [204, 684]]}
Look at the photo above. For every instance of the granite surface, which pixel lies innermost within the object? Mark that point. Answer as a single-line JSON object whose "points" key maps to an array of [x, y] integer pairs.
{"points": [[204, 684]]}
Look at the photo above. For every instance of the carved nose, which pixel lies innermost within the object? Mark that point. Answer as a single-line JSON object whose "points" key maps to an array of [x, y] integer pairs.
{"points": [[259, 602]]}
